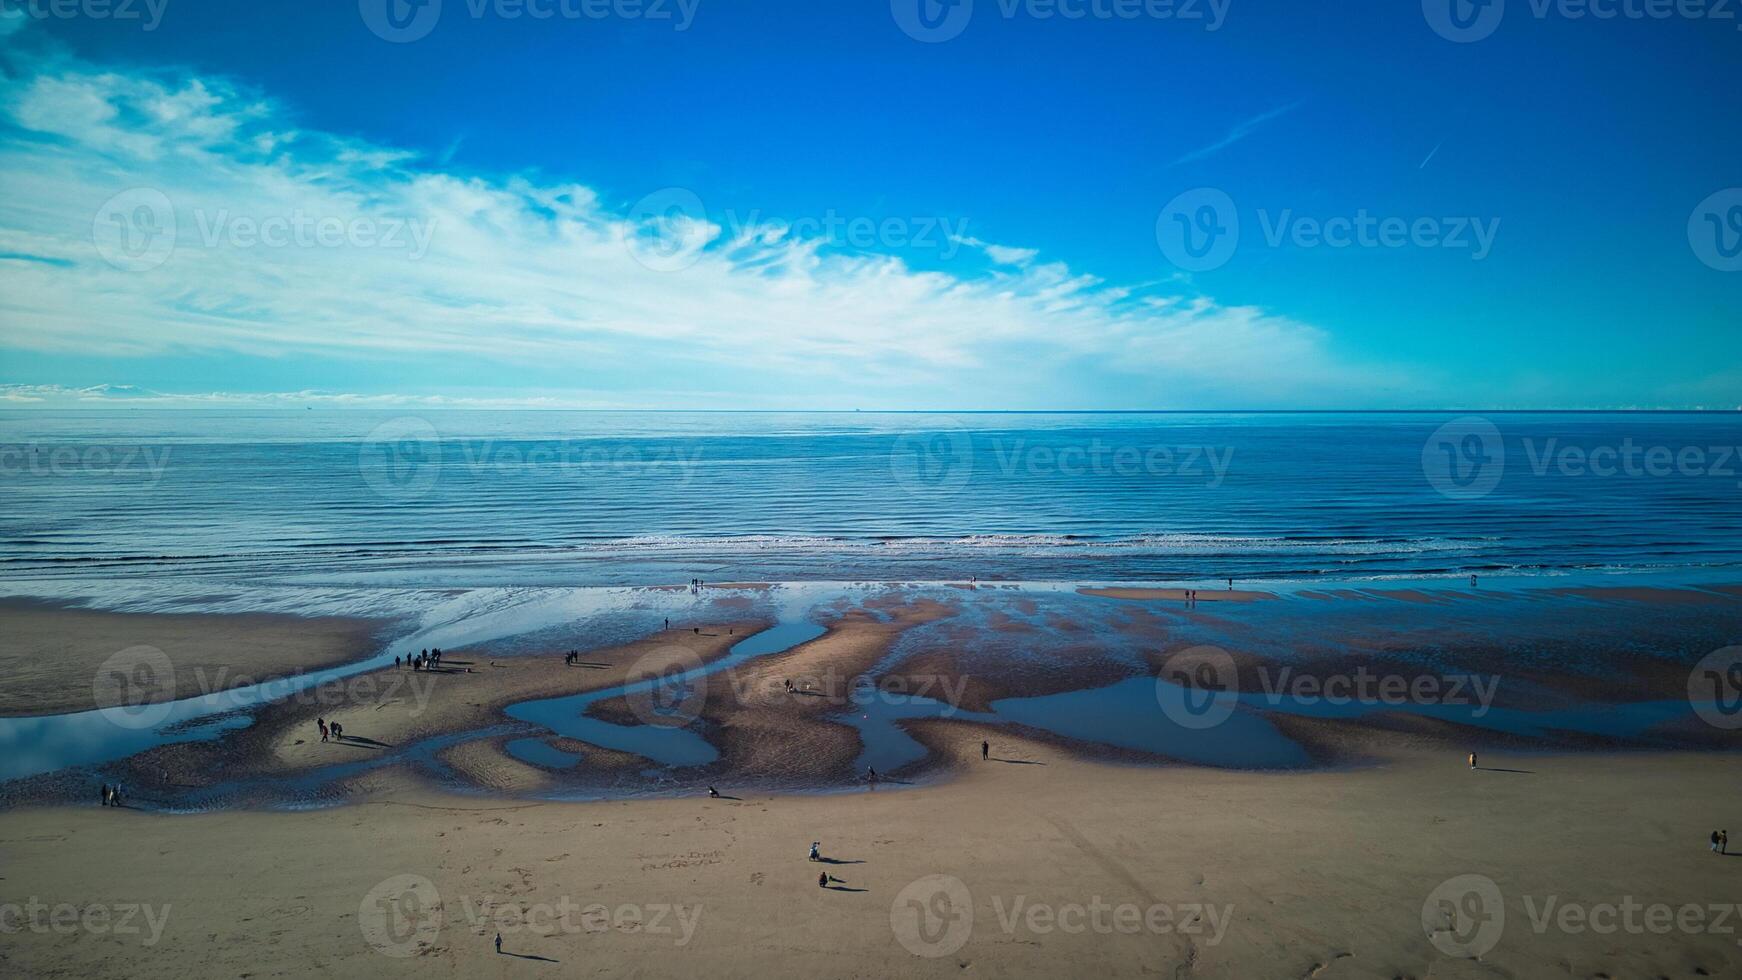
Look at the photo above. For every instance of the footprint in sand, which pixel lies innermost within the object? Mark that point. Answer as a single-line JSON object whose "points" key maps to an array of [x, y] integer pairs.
{"points": [[756, 877]]}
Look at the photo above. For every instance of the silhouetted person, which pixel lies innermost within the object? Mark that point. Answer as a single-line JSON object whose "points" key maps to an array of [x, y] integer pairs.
{"points": [[985, 751]]}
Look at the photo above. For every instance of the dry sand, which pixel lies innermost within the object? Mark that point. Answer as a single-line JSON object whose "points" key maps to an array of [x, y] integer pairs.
{"points": [[53, 655], [1308, 875]]}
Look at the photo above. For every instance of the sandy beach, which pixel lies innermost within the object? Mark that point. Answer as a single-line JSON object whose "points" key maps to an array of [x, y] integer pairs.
{"points": [[53, 652], [1576, 850], [1070, 868]]}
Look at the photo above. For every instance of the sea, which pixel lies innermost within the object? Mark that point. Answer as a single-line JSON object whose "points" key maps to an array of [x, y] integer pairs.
{"points": [[95, 500]]}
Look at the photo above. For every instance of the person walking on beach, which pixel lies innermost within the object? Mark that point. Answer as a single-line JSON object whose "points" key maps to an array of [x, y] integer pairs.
{"points": [[498, 944], [321, 723], [823, 880], [105, 798], [668, 623], [1472, 762], [816, 855], [1472, 581], [1714, 842], [985, 750]]}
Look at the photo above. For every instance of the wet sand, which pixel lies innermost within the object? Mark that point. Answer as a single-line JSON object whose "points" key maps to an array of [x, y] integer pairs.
{"points": [[1257, 875], [394, 707], [53, 655], [1179, 595]]}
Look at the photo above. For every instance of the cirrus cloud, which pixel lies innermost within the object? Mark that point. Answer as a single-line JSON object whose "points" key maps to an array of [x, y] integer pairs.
{"points": [[282, 250]]}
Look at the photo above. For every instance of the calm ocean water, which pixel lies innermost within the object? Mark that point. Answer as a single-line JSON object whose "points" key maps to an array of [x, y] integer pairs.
{"points": [[475, 498]]}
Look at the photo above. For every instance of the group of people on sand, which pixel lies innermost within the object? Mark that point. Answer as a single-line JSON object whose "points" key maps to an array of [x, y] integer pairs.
{"points": [[571, 658], [423, 661], [111, 795], [336, 730]]}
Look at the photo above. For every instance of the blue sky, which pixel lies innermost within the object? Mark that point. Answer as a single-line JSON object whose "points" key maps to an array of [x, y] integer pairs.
{"points": [[798, 204]]}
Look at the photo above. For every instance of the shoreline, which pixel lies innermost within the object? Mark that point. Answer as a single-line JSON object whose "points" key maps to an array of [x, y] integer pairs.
{"points": [[987, 655]]}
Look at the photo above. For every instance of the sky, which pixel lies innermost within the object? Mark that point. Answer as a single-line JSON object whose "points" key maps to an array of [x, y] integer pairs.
{"points": [[871, 204]]}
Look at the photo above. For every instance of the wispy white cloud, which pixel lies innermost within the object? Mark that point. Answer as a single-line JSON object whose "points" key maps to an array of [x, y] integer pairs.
{"points": [[1238, 133], [504, 271], [133, 396]]}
